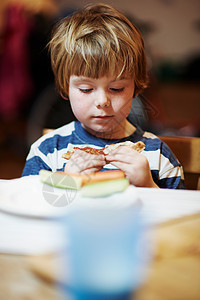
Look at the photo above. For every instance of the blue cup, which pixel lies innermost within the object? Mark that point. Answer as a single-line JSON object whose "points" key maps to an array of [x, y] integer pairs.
{"points": [[106, 255]]}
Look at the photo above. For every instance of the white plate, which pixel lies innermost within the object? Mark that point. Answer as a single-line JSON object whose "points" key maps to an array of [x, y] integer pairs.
{"points": [[28, 196]]}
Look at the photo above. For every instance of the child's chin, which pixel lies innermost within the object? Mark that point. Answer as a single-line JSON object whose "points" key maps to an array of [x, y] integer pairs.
{"points": [[100, 131]]}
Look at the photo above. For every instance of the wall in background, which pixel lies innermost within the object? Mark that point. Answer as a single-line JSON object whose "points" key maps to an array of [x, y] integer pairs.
{"points": [[175, 24]]}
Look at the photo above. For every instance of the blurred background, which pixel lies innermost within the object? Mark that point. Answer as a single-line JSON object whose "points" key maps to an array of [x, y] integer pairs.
{"points": [[29, 101]]}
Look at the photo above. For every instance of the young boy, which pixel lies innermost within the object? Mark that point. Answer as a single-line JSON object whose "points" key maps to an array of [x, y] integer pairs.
{"points": [[99, 64]]}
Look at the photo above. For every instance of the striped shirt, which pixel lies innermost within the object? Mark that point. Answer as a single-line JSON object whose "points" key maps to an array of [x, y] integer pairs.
{"points": [[46, 153]]}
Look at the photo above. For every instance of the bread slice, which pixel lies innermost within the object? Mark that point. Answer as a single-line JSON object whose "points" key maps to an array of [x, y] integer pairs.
{"points": [[139, 146]]}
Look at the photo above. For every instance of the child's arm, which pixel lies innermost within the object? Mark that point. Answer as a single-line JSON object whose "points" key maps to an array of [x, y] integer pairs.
{"points": [[134, 164], [82, 162]]}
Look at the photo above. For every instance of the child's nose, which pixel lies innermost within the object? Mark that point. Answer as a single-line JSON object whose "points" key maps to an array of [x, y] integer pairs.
{"points": [[103, 99]]}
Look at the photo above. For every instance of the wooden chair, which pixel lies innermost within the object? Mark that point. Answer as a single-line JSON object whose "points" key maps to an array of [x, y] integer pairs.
{"points": [[187, 150], [46, 130]]}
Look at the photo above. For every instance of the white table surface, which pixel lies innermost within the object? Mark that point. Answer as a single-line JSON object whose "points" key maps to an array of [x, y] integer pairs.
{"points": [[30, 225]]}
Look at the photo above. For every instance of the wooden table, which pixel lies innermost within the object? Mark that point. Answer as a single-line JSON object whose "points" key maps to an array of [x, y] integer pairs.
{"points": [[174, 274]]}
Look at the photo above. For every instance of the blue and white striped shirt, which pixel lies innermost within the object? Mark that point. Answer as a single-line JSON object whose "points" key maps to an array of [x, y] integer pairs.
{"points": [[46, 153]]}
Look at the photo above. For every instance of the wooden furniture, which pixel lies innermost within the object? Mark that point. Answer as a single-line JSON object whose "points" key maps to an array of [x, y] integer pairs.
{"points": [[47, 130], [187, 150], [175, 270], [173, 274]]}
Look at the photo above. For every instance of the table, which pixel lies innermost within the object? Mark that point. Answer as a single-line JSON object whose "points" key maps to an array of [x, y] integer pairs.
{"points": [[174, 273]]}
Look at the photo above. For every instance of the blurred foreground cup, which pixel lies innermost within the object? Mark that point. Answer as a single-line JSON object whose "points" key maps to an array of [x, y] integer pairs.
{"points": [[106, 255]]}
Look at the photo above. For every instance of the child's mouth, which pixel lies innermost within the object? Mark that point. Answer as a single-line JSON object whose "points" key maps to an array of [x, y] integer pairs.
{"points": [[103, 117]]}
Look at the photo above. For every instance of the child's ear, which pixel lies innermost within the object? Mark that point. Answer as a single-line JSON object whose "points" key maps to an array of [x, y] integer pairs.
{"points": [[66, 98], [135, 95]]}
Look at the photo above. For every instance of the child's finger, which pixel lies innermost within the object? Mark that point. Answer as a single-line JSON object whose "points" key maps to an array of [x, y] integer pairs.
{"points": [[91, 170], [128, 158], [81, 161]]}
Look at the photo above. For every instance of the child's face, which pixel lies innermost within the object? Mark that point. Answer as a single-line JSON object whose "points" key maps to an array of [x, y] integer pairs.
{"points": [[102, 104]]}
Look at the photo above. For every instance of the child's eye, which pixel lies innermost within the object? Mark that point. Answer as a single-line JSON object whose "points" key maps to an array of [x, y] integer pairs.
{"points": [[117, 90], [85, 90]]}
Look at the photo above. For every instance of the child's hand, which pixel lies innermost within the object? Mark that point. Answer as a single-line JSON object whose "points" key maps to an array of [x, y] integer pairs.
{"points": [[134, 164], [82, 162]]}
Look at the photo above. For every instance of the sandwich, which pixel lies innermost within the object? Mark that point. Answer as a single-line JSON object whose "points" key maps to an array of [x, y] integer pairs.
{"points": [[97, 184], [139, 146]]}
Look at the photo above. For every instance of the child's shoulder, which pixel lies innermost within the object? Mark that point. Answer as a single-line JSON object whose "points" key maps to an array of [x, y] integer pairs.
{"points": [[64, 130], [149, 135], [154, 144], [151, 140], [53, 135]]}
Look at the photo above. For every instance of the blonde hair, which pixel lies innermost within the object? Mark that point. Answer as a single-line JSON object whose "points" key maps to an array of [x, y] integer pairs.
{"points": [[97, 41]]}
